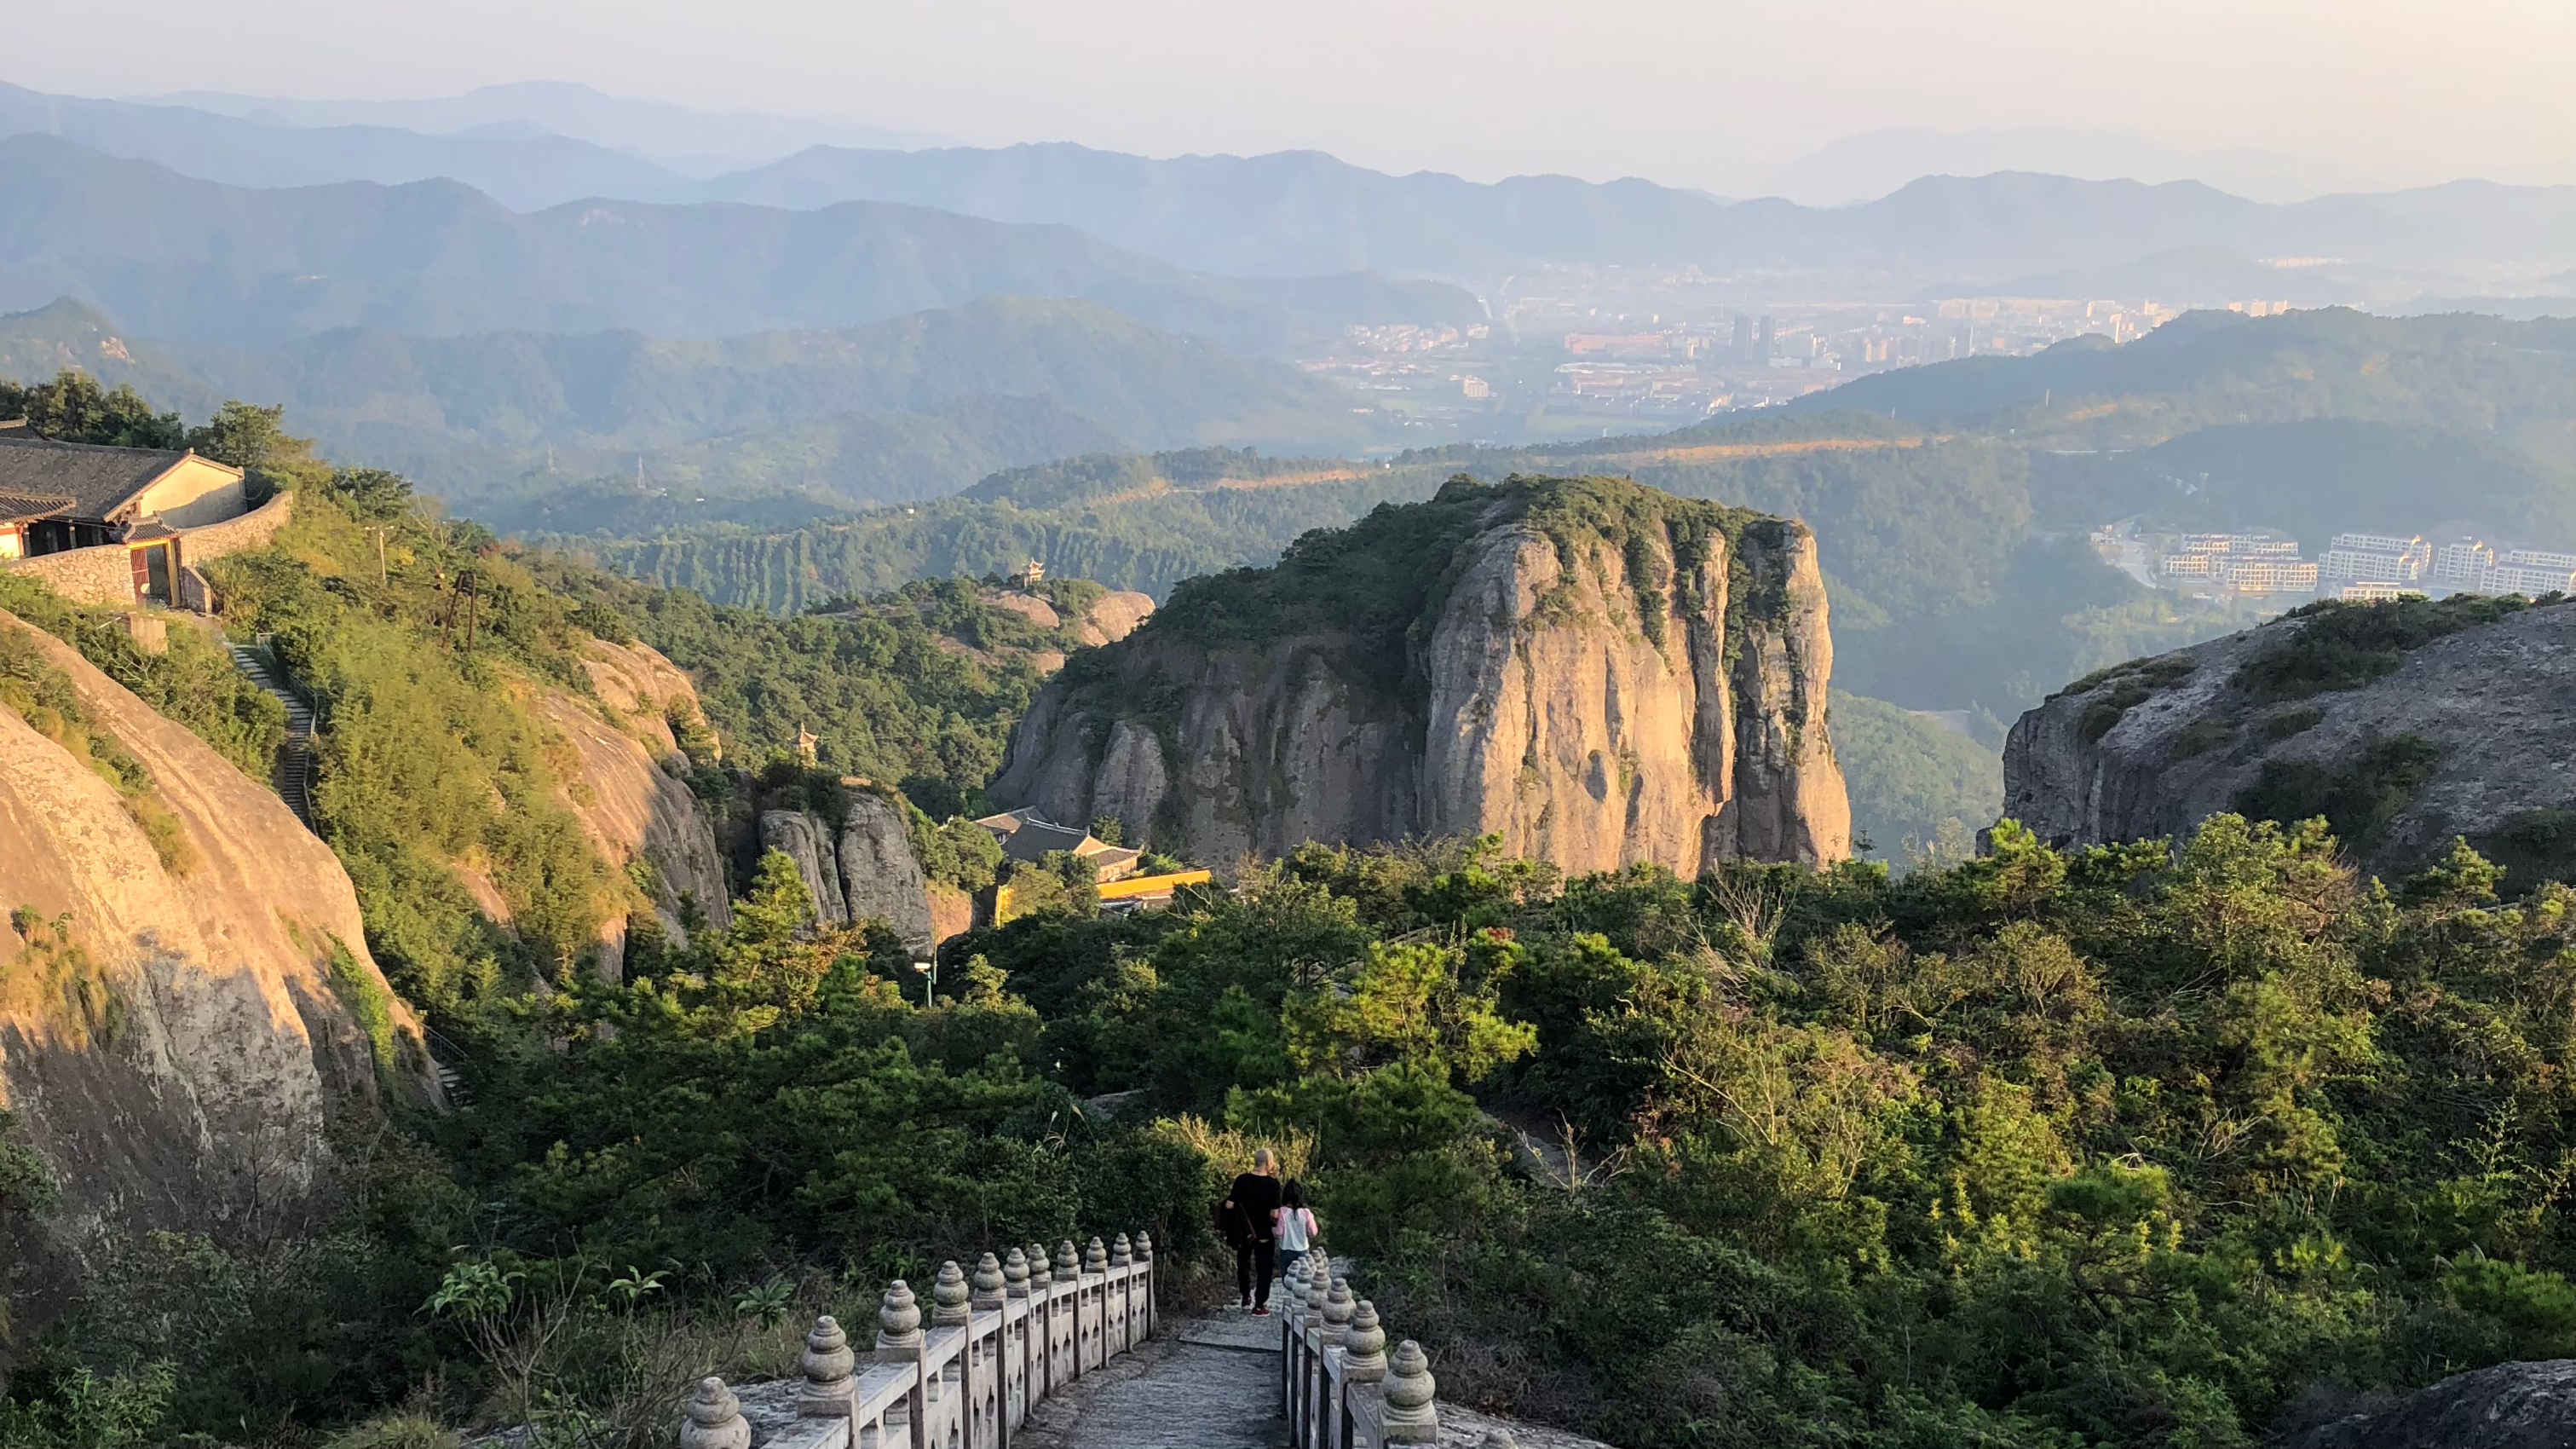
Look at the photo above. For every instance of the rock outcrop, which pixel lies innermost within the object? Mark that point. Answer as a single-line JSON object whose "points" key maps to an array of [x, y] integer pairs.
{"points": [[2508, 1406], [863, 870], [174, 1038], [1599, 673], [632, 798], [2450, 727]]}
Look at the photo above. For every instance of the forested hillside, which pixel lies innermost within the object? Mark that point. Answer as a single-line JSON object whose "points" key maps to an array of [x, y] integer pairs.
{"points": [[522, 429], [1952, 533]]}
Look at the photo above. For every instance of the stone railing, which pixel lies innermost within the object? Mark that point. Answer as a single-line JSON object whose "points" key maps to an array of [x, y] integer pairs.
{"points": [[995, 1343], [1338, 1386]]}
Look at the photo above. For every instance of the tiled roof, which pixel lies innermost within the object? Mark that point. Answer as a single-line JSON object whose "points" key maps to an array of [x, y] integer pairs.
{"points": [[1027, 837], [97, 480], [28, 507]]}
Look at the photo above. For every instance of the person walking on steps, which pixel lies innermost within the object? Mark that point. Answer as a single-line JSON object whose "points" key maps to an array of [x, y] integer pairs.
{"points": [[1250, 1218], [1297, 1230]]}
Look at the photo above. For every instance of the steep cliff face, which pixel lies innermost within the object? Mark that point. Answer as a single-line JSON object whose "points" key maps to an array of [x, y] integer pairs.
{"points": [[630, 794], [184, 1006], [863, 870], [1599, 673], [2405, 724]]}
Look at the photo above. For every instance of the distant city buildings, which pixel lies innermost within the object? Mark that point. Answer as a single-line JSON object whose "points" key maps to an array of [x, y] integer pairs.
{"points": [[2353, 565], [2376, 558]]}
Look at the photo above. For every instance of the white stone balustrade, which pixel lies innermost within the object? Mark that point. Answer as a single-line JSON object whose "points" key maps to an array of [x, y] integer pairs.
{"points": [[964, 1373], [1338, 1385]]}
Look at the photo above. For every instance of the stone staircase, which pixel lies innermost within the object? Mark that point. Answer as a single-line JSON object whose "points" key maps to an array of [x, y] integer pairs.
{"points": [[294, 779]]}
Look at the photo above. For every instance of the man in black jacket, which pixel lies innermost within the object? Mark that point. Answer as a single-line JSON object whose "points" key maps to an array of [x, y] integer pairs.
{"points": [[1251, 1214]]}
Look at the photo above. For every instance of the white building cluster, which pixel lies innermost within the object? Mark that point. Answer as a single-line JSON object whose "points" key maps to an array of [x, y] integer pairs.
{"points": [[2361, 566], [2249, 563], [2472, 566]]}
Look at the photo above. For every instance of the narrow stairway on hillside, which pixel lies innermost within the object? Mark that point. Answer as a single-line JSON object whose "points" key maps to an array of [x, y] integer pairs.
{"points": [[294, 772]]}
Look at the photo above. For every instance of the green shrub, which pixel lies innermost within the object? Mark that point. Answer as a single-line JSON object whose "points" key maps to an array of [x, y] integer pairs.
{"points": [[2200, 737], [2358, 796], [2281, 724], [2345, 645]]}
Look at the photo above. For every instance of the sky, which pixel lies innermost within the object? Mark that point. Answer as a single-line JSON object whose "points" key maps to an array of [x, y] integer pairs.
{"points": [[1715, 93]]}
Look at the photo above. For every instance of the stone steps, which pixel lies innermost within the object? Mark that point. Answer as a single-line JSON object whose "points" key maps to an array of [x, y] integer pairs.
{"points": [[294, 775]]}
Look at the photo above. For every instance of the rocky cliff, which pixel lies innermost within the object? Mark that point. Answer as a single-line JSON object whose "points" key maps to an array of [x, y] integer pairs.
{"points": [[862, 869], [631, 794], [1599, 673], [2405, 724], [186, 996]]}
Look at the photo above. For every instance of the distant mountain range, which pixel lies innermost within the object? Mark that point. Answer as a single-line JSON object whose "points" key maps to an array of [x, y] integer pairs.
{"points": [[909, 408], [1874, 163], [1306, 213], [680, 137], [186, 260]]}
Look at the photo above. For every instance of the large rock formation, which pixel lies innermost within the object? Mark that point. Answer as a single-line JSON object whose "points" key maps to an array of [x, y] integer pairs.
{"points": [[1599, 673], [631, 796], [2446, 725], [174, 1038], [2508, 1406], [863, 870]]}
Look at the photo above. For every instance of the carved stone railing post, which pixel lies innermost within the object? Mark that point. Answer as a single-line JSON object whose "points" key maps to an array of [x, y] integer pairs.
{"points": [[1364, 1346], [988, 1283], [714, 1419], [1041, 1324], [828, 1363], [949, 1297], [1153, 1301], [1409, 1388], [1068, 1269], [900, 1340], [963, 1366]]}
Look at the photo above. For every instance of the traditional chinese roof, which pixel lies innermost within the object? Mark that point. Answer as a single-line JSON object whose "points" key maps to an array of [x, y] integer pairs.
{"points": [[1027, 837], [98, 480], [28, 507]]}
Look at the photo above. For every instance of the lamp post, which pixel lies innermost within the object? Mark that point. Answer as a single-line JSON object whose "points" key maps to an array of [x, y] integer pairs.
{"points": [[928, 971]]}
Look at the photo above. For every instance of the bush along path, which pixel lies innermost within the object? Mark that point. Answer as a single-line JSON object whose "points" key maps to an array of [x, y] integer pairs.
{"points": [[294, 772]]}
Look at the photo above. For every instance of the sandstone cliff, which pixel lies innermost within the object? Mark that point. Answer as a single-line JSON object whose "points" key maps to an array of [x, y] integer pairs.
{"points": [[630, 794], [865, 869], [1599, 673], [2406, 724], [173, 1037]]}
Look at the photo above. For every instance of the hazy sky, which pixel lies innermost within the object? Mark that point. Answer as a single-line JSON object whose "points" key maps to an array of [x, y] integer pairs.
{"points": [[1703, 93]]}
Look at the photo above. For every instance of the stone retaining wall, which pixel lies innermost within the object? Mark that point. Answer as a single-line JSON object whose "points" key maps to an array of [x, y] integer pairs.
{"points": [[101, 575]]}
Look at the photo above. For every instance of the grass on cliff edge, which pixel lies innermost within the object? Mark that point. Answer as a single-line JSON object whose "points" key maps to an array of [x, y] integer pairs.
{"points": [[2345, 645], [439, 778], [1381, 582]]}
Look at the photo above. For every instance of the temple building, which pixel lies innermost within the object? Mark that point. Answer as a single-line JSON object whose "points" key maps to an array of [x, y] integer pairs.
{"points": [[55, 497]]}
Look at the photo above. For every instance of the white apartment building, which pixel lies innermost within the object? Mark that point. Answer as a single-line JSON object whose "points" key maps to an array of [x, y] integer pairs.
{"points": [[2268, 576], [2540, 558], [2252, 545], [2524, 579], [2371, 592], [2376, 558], [2463, 564]]}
